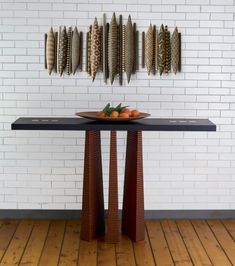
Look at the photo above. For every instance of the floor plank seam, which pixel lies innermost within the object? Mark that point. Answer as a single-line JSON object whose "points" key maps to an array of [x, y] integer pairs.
{"points": [[27, 242], [201, 242], [62, 242], [9, 242], [166, 241], [222, 221], [184, 243], [222, 248], [146, 228], [44, 242]]}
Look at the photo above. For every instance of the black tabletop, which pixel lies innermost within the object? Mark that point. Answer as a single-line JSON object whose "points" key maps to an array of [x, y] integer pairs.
{"points": [[147, 124]]}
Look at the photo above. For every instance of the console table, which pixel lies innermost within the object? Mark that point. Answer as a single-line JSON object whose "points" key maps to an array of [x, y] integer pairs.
{"points": [[92, 220]]}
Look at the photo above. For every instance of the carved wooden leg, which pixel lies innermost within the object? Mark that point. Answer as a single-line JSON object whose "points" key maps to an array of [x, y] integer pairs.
{"points": [[92, 222], [133, 198], [113, 235]]}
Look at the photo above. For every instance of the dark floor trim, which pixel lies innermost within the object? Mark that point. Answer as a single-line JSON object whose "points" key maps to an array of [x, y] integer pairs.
{"points": [[149, 214]]}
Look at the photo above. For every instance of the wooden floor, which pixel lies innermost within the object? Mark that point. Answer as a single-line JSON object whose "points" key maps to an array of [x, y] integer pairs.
{"points": [[168, 242]]}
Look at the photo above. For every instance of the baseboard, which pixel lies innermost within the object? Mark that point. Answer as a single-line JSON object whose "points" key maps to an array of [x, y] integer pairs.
{"points": [[149, 214]]}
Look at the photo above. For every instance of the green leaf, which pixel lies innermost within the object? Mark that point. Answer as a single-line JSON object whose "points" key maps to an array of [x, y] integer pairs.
{"points": [[106, 108], [109, 111]]}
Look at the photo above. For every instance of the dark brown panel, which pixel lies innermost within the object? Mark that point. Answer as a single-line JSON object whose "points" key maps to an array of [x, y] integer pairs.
{"points": [[133, 198], [113, 235], [92, 222]]}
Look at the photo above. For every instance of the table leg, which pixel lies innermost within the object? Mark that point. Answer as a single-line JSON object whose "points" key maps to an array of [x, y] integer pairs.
{"points": [[92, 222], [133, 198], [113, 235]]}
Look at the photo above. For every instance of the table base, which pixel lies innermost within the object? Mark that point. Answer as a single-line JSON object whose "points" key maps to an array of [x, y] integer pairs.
{"points": [[93, 224]]}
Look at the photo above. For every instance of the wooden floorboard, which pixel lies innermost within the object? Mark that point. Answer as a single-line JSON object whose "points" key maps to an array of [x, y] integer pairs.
{"points": [[192, 242], [167, 243], [52, 248], [106, 254], [158, 243], [35, 244], [7, 230], [70, 248], [18, 243], [210, 243], [230, 226], [176, 244], [143, 252], [125, 252], [224, 238]]}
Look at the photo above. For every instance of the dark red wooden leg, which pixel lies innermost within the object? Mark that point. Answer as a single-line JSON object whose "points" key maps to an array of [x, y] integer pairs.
{"points": [[133, 198], [113, 235], [92, 222]]}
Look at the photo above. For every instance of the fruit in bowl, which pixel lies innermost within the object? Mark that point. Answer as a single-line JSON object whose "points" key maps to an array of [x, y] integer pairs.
{"points": [[118, 112]]}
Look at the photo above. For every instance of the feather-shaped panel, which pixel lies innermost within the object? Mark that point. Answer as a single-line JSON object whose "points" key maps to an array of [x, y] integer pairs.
{"points": [[161, 50], [113, 48], [50, 52], [175, 50], [156, 52], [75, 50], [149, 49], [120, 49], [168, 50], [95, 49], [104, 44], [62, 51], [69, 51], [129, 49], [123, 47]]}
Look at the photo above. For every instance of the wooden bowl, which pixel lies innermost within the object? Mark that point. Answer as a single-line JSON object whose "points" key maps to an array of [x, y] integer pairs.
{"points": [[93, 116]]}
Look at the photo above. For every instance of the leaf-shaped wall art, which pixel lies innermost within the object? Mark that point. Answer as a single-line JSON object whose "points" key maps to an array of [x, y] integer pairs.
{"points": [[143, 50], [175, 50], [55, 51], [123, 47], [120, 49], [50, 53], [104, 44], [179, 65], [69, 51], [113, 48], [95, 49], [161, 50], [64, 39], [149, 49], [168, 50], [58, 50], [101, 48], [129, 49], [45, 51], [156, 52], [62, 56], [75, 50], [154, 49]]}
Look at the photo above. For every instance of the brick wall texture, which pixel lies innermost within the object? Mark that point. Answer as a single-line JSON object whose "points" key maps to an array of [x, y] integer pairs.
{"points": [[183, 170]]}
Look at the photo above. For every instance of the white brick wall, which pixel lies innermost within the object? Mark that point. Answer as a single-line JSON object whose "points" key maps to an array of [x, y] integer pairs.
{"points": [[183, 170]]}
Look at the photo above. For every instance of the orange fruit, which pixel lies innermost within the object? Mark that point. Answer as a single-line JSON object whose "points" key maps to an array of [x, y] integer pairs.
{"points": [[114, 114], [135, 113], [126, 110], [101, 114], [123, 115]]}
